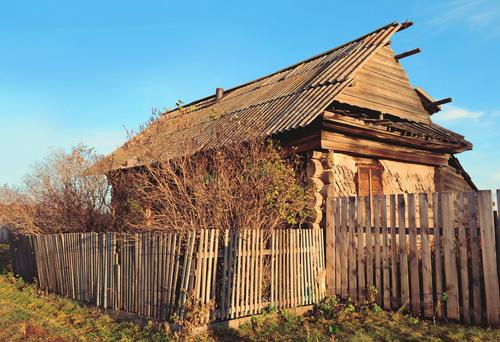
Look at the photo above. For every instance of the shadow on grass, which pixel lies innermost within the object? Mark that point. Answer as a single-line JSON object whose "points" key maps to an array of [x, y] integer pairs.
{"points": [[4, 257]]}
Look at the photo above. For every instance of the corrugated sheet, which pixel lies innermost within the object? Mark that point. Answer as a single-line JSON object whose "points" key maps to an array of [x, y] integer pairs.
{"points": [[285, 100]]}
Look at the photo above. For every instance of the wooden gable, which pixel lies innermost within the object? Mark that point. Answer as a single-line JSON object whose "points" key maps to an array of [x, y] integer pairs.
{"points": [[382, 85]]}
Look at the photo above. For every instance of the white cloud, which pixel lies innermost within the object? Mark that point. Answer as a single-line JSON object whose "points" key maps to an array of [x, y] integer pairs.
{"points": [[454, 113], [476, 15]]}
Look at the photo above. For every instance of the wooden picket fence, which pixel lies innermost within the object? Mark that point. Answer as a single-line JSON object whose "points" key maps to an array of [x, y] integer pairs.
{"points": [[153, 274], [438, 257]]}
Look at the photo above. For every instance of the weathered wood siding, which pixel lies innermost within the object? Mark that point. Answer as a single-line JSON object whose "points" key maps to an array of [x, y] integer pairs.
{"points": [[397, 177], [447, 179], [382, 85]]}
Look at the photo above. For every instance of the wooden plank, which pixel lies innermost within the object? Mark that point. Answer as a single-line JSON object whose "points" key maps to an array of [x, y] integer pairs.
{"points": [[497, 235], [403, 253], [437, 217], [344, 254], [225, 275], [361, 250], [474, 249], [258, 271], [303, 293], [352, 249], [450, 257], [376, 223], [423, 205], [489, 258], [369, 242], [239, 274], [394, 271], [247, 270], [214, 252], [462, 252], [187, 269], [338, 249], [385, 255], [232, 284], [321, 248], [330, 247], [273, 269], [176, 250], [414, 274]]}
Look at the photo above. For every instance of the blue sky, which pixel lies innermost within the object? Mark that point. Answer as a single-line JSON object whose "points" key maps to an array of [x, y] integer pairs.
{"points": [[75, 72]]}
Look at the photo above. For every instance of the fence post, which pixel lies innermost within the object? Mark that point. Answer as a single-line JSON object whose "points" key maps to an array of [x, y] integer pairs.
{"points": [[330, 249]]}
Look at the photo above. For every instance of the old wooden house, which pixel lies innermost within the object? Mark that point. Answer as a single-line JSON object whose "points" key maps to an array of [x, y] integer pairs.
{"points": [[351, 109]]}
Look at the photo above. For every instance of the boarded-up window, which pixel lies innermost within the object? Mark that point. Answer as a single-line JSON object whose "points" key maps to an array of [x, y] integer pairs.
{"points": [[369, 180]]}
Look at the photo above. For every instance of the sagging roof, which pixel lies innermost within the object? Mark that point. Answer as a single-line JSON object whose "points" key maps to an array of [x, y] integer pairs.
{"points": [[282, 101]]}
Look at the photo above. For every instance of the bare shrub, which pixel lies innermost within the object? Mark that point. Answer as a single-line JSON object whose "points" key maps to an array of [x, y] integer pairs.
{"points": [[243, 185], [59, 195]]}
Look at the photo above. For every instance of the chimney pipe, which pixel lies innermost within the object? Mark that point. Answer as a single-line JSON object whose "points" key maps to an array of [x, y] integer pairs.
{"points": [[219, 92]]}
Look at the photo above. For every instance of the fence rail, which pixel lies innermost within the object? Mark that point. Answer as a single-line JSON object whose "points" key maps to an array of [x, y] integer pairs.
{"points": [[151, 274], [377, 242]]}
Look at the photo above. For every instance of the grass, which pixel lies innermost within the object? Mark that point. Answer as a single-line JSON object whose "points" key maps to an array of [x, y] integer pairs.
{"points": [[27, 314]]}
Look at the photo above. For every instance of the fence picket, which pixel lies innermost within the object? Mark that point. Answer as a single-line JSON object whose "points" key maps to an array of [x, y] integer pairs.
{"points": [[488, 253], [394, 270], [426, 256], [450, 260], [385, 253], [361, 249], [414, 274], [462, 250], [403, 253]]}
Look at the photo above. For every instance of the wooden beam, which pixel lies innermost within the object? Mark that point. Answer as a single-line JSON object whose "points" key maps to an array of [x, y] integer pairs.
{"points": [[440, 102], [408, 53], [405, 25]]}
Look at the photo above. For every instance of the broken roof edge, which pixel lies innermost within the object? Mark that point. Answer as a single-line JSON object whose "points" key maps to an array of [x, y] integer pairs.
{"points": [[226, 91]]}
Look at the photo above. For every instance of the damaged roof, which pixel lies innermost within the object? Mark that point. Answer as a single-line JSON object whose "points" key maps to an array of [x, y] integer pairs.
{"points": [[282, 101]]}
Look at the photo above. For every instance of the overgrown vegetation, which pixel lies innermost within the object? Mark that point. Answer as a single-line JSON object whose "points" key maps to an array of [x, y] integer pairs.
{"points": [[252, 185]]}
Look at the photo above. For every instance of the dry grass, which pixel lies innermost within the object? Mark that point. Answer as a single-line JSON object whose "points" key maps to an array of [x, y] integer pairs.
{"points": [[27, 314]]}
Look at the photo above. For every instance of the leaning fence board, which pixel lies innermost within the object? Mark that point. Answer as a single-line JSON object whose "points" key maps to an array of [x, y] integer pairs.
{"points": [[474, 246]]}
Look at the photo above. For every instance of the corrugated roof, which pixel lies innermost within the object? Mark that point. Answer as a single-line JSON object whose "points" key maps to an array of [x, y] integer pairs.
{"points": [[285, 100]]}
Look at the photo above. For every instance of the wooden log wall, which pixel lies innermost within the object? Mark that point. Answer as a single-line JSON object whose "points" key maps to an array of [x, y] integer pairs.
{"points": [[151, 274], [413, 265]]}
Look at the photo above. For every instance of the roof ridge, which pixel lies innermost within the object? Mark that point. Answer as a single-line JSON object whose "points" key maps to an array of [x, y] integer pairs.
{"points": [[394, 23]]}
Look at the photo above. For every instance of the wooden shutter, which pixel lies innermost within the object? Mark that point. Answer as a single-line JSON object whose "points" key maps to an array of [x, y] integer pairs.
{"points": [[369, 180]]}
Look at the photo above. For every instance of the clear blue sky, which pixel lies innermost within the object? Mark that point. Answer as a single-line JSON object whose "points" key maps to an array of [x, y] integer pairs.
{"points": [[75, 72]]}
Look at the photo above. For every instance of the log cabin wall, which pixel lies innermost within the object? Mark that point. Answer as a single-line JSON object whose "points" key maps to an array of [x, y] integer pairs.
{"points": [[335, 174], [397, 177]]}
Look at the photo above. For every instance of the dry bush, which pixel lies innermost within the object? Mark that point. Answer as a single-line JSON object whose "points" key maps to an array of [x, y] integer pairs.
{"points": [[243, 185], [58, 195]]}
